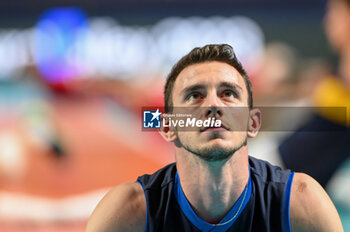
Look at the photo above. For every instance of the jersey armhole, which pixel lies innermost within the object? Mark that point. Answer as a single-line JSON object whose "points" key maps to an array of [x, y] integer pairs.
{"points": [[286, 204], [146, 229]]}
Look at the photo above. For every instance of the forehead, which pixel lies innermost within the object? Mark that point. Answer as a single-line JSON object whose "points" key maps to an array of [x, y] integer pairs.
{"points": [[209, 74]]}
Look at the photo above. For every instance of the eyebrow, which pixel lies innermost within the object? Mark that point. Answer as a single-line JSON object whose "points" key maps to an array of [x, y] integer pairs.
{"points": [[230, 85], [192, 88], [198, 87]]}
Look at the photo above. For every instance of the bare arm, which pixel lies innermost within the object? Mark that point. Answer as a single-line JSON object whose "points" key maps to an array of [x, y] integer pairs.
{"points": [[122, 209], [310, 207]]}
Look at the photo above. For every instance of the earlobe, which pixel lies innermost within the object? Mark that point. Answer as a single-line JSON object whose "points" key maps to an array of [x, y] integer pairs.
{"points": [[168, 134], [254, 123]]}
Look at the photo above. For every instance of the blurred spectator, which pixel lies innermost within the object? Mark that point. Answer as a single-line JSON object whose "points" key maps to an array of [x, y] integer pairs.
{"points": [[324, 154], [273, 81], [321, 153], [283, 86]]}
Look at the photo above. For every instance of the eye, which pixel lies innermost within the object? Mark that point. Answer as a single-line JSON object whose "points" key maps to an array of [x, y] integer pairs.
{"points": [[229, 94], [194, 96]]}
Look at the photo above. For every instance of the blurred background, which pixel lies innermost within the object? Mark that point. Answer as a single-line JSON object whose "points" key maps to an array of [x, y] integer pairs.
{"points": [[73, 80]]}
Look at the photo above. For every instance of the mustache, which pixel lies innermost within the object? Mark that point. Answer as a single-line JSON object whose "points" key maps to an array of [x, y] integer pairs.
{"points": [[223, 125]]}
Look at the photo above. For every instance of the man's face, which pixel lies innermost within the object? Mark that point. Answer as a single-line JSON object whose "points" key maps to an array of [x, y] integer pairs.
{"points": [[212, 89], [337, 21]]}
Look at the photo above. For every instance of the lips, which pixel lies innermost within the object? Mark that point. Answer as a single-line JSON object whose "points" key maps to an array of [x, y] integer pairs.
{"points": [[221, 128]]}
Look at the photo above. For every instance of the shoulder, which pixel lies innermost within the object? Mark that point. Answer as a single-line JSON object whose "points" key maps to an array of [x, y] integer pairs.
{"points": [[310, 207], [122, 209], [267, 172], [159, 179]]}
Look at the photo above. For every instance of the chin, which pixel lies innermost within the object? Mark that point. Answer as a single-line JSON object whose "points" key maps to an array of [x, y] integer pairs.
{"points": [[219, 144]]}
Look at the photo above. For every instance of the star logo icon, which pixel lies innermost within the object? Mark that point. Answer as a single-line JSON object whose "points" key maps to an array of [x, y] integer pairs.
{"points": [[156, 115]]}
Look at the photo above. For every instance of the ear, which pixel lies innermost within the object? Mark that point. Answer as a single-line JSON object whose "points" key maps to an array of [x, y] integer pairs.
{"points": [[168, 134], [254, 123]]}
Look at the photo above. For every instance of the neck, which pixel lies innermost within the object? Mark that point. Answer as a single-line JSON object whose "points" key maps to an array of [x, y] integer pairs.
{"points": [[212, 188], [344, 67]]}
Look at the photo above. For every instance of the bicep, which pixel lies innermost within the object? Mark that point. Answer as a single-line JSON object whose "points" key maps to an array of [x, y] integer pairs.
{"points": [[311, 209], [122, 209]]}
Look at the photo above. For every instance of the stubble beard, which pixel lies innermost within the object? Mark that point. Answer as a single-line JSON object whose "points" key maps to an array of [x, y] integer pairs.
{"points": [[215, 153]]}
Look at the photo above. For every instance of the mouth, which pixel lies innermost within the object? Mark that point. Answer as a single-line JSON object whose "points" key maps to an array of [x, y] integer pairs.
{"points": [[215, 129]]}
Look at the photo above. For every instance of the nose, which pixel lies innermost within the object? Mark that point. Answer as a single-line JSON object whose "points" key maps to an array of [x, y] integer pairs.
{"points": [[213, 106], [213, 111]]}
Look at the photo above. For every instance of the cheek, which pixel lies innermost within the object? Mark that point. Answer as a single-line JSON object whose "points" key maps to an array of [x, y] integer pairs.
{"points": [[238, 118], [238, 136], [337, 26], [186, 136]]}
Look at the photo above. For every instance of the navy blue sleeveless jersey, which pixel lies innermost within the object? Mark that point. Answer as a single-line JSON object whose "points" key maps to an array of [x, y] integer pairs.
{"points": [[262, 206]]}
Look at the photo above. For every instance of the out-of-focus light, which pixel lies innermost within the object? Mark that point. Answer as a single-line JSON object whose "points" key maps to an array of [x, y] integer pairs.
{"points": [[56, 33], [65, 45], [177, 36], [14, 52]]}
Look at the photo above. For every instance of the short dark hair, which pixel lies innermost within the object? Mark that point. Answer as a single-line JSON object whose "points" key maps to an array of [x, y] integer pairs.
{"points": [[212, 52]]}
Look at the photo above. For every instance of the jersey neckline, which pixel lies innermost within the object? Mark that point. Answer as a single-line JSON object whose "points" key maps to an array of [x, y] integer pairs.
{"points": [[226, 222]]}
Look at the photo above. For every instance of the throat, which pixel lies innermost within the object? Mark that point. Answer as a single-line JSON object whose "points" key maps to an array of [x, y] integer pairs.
{"points": [[215, 206]]}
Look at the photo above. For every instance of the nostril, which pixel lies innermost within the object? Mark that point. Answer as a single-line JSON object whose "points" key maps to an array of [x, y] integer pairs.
{"points": [[213, 111], [219, 112], [209, 112]]}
